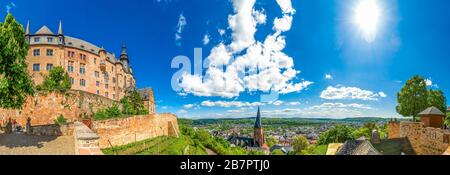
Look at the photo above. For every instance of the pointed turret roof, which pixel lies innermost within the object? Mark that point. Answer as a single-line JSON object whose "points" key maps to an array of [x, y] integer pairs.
{"points": [[27, 31], [60, 29], [124, 54], [258, 123], [432, 111], [44, 31]]}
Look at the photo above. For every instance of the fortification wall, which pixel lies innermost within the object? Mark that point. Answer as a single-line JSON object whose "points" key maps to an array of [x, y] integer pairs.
{"points": [[425, 140], [44, 108], [117, 132], [393, 130]]}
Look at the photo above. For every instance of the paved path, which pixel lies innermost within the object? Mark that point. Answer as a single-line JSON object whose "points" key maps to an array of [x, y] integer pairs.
{"points": [[19, 144], [211, 152]]}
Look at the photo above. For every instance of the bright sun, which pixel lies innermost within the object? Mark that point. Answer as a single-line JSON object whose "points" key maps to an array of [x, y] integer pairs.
{"points": [[367, 17]]}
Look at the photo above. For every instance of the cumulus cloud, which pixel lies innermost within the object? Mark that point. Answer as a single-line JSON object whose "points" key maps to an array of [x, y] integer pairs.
{"points": [[341, 105], [246, 64], [228, 104], [180, 28], [221, 32], [189, 106], [341, 92], [328, 76], [296, 103], [182, 111], [277, 103]]}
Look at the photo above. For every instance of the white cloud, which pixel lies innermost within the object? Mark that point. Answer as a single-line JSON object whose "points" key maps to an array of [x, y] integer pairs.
{"points": [[221, 32], [228, 104], [189, 106], [206, 39], [296, 103], [180, 27], [266, 66], [429, 83], [382, 94], [341, 92], [328, 76], [277, 103], [341, 105]]}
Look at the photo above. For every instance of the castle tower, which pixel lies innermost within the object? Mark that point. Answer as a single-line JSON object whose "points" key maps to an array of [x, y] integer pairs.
{"points": [[60, 34], [27, 32], [258, 135], [124, 57]]}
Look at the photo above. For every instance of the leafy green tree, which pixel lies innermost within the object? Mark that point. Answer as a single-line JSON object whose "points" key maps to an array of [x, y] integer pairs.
{"points": [[447, 120], [15, 83], [437, 99], [57, 80], [337, 134], [271, 141], [300, 143], [412, 99], [133, 104], [277, 152]]}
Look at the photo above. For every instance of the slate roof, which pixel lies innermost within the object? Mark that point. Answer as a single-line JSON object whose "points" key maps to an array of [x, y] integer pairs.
{"points": [[432, 111], [358, 147], [44, 31]]}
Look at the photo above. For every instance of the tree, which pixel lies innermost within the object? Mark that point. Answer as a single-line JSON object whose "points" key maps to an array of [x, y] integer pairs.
{"points": [[271, 141], [412, 99], [337, 134], [57, 80], [437, 99], [15, 83], [447, 119], [300, 143], [278, 152], [133, 104]]}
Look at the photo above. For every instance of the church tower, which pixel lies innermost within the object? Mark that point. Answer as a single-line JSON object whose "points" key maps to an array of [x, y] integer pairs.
{"points": [[124, 57], [258, 135]]}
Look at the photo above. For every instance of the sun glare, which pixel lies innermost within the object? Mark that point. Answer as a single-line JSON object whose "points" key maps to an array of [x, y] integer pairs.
{"points": [[367, 17]]}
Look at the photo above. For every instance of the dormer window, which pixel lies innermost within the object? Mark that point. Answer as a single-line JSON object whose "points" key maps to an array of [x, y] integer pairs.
{"points": [[82, 46], [50, 40], [37, 39]]}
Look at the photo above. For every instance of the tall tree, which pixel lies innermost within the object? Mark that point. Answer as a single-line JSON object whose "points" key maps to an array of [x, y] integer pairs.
{"points": [[300, 143], [15, 83], [437, 99], [133, 104], [412, 99], [56, 80]]}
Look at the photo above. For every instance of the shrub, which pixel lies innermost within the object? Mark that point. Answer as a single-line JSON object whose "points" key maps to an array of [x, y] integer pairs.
{"points": [[61, 120], [337, 134]]}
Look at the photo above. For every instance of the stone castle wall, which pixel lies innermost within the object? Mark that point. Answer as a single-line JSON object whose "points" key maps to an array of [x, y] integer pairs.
{"points": [[117, 132], [393, 130], [425, 140], [44, 108]]}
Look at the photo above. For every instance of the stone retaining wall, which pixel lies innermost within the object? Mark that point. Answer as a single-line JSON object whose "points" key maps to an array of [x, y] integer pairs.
{"points": [[44, 108], [117, 132], [52, 130], [425, 140]]}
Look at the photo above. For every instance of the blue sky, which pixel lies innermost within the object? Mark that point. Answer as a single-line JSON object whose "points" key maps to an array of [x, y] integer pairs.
{"points": [[322, 62]]}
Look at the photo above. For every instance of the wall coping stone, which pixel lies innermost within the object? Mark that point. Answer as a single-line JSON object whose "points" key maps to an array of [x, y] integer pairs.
{"points": [[84, 133]]}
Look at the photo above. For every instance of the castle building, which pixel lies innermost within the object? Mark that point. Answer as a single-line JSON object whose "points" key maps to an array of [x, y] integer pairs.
{"points": [[91, 68]]}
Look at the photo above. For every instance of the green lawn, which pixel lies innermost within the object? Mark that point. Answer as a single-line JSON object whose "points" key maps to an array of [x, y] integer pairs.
{"points": [[320, 150], [159, 146]]}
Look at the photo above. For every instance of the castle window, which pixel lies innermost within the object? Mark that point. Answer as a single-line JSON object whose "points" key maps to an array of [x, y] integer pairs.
{"points": [[72, 80], [83, 82], [50, 40], [36, 52], [97, 83], [70, 54], [97, 74], [70, 66], [106, 94], [114, 96], [36, 67], [106, 86], [106, 78], [98, 92], [49, 66], [95, 60], [37, 39], [49, 52], [83, 57], [82, 69], [114, 80]]}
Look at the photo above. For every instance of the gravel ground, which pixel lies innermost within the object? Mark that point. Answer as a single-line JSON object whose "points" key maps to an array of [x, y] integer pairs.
{"points": [[19, 144]]}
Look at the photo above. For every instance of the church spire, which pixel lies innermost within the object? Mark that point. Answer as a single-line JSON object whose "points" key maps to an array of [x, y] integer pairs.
{"points": [[27, 31], [258, 123], [124, 54], [60, 30]]}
